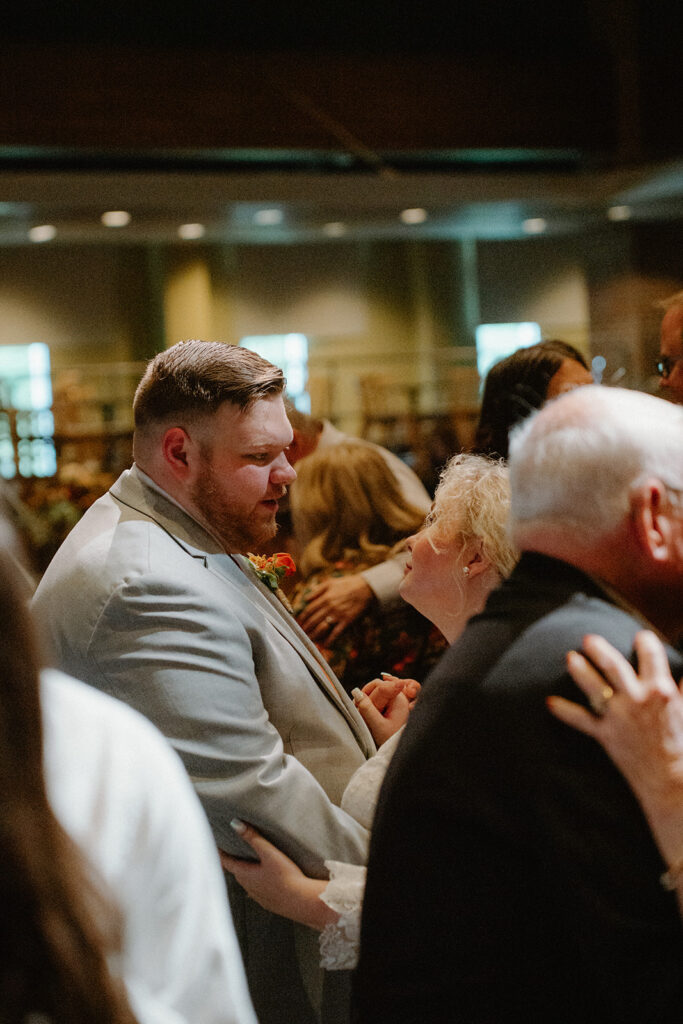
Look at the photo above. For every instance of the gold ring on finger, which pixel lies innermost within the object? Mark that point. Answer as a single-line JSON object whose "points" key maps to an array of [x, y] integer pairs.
{"points": [[599, 701]]}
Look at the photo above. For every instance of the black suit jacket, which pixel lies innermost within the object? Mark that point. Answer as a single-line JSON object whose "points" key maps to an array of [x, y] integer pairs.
{"points": [[512, 876]]}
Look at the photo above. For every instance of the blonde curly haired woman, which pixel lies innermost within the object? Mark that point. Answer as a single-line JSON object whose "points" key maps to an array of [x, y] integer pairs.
{"points": [[459, 557]]}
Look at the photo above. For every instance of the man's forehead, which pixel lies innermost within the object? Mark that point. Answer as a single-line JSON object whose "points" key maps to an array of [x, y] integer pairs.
{"points": [[263, 423]]}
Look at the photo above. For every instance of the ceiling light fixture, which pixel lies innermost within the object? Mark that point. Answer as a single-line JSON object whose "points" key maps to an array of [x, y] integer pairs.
{"points": [[191, 231], [116, 218], [415, 215], [42, 233], [268, 218], [534, 225], [619, 212], [335, 229]]}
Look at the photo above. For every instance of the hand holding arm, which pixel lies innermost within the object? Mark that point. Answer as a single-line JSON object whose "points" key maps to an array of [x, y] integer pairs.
{"points": [[277, 884]]}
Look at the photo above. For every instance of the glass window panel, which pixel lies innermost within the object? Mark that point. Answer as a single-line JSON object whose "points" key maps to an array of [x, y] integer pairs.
{"points": [[495, 341], [25, 386], [290, 352]]}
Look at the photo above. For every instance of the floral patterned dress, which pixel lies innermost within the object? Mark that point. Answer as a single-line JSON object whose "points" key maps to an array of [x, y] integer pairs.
{"points": [[397, 640]]}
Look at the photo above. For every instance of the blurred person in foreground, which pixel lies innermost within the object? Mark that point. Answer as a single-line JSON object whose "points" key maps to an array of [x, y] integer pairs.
{"points": [[637, 716], [111, 890], [670, 362], [152, 599], [348, 515], [455, 561], [519, 384], [535, 888]]}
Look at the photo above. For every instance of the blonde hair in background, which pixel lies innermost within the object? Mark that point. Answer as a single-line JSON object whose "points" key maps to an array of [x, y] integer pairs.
{"points": [[346, 504], [472, 500], [671, 302]]}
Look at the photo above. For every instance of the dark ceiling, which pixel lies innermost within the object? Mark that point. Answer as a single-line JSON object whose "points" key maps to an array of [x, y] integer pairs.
{"points": [[485, 113]]}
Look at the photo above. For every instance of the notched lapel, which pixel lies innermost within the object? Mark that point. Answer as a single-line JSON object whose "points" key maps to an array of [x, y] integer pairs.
{"points": [[237, 572], [140, 494]]}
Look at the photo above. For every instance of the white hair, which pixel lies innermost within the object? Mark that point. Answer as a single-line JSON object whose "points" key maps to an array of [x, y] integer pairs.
{"points": [[472, 501], [575, 463]]}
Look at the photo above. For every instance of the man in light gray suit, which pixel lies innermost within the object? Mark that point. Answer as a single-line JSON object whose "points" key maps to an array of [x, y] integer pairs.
{"points": [[151, 599]]}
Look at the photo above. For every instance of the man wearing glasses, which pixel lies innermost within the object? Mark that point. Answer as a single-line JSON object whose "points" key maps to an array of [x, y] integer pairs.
{"points": [[670, 362]]}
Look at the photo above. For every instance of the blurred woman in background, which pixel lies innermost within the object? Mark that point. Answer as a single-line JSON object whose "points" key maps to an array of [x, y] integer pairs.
{"points": [[522, 382], [349, 514]]}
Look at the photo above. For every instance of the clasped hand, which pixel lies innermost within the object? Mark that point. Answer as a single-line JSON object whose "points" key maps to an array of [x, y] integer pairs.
{"points": [[384, 704]]}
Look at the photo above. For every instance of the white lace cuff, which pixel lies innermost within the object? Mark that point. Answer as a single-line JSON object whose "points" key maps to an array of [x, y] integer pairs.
{"points": [[339, 942]]}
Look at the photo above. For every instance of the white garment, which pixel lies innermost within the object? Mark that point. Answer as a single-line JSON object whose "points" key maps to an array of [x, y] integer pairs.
{"points": [[340, 941], [124, 797]]}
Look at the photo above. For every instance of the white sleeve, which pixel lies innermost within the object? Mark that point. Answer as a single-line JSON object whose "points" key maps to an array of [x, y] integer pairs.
{"points": [[340, 942], [123, 796], [385, 577], [181, 957]]}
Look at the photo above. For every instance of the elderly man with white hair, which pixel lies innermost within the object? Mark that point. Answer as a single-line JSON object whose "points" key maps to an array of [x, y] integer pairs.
{"points": [[535, 882]]}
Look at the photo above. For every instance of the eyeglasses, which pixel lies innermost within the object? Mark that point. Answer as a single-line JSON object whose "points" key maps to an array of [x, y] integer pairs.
{"points": [[666, 364]]}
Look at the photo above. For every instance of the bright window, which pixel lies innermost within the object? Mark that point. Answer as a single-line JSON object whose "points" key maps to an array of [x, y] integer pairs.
{"points": [[290, 353], [495, 341], [26, 422]]}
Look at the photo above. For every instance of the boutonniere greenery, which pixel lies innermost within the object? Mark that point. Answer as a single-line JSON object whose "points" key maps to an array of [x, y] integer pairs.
{"points": [[271, 569]]}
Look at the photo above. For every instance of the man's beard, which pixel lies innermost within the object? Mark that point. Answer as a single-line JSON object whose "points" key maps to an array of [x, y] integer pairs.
{"points": [[237, 533]]}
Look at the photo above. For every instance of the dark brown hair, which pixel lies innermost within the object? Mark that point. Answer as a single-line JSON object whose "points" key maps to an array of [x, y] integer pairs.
{"points": [[514, 387], [56, 924], [196, 377]]}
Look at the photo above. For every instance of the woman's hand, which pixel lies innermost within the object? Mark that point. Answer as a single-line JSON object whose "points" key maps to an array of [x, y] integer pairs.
{"points": [[276, 883], [384, 704], [333, 605], [639, 722]]}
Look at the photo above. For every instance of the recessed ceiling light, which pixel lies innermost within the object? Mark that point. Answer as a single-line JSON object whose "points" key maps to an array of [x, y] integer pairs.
{"points": [[415, 215], [335, 229], [42, 233], [116, 218], [619, 212], [534, 225], [190, 231], [267, 218]]}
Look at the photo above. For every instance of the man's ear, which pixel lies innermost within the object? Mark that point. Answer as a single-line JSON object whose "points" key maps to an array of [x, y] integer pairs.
{"points": [[176, 449], [651, 519]]}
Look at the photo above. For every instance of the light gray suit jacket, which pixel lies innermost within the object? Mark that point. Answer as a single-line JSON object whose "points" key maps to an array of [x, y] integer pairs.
{"points": [[141, 602]]}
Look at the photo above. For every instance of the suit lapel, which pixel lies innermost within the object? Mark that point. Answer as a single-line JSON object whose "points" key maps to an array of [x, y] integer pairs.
{"points": [[137, 491], [237, 571]]}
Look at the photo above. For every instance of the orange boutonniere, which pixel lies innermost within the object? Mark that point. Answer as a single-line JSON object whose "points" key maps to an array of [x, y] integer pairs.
{"points": [[270, 570]]}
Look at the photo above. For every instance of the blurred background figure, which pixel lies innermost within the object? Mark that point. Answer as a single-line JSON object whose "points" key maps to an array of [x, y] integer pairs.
{"points": [[113, 908], [348, 514], [670, 362], [339, 600], [522, 382]]}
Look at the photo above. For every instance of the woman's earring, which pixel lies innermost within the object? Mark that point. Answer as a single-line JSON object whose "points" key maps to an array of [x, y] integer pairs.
{"points": [[466, 570]]}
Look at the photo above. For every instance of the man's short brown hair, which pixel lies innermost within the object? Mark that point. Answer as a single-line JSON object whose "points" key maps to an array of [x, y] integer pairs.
{"points": [[196, 377]]}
